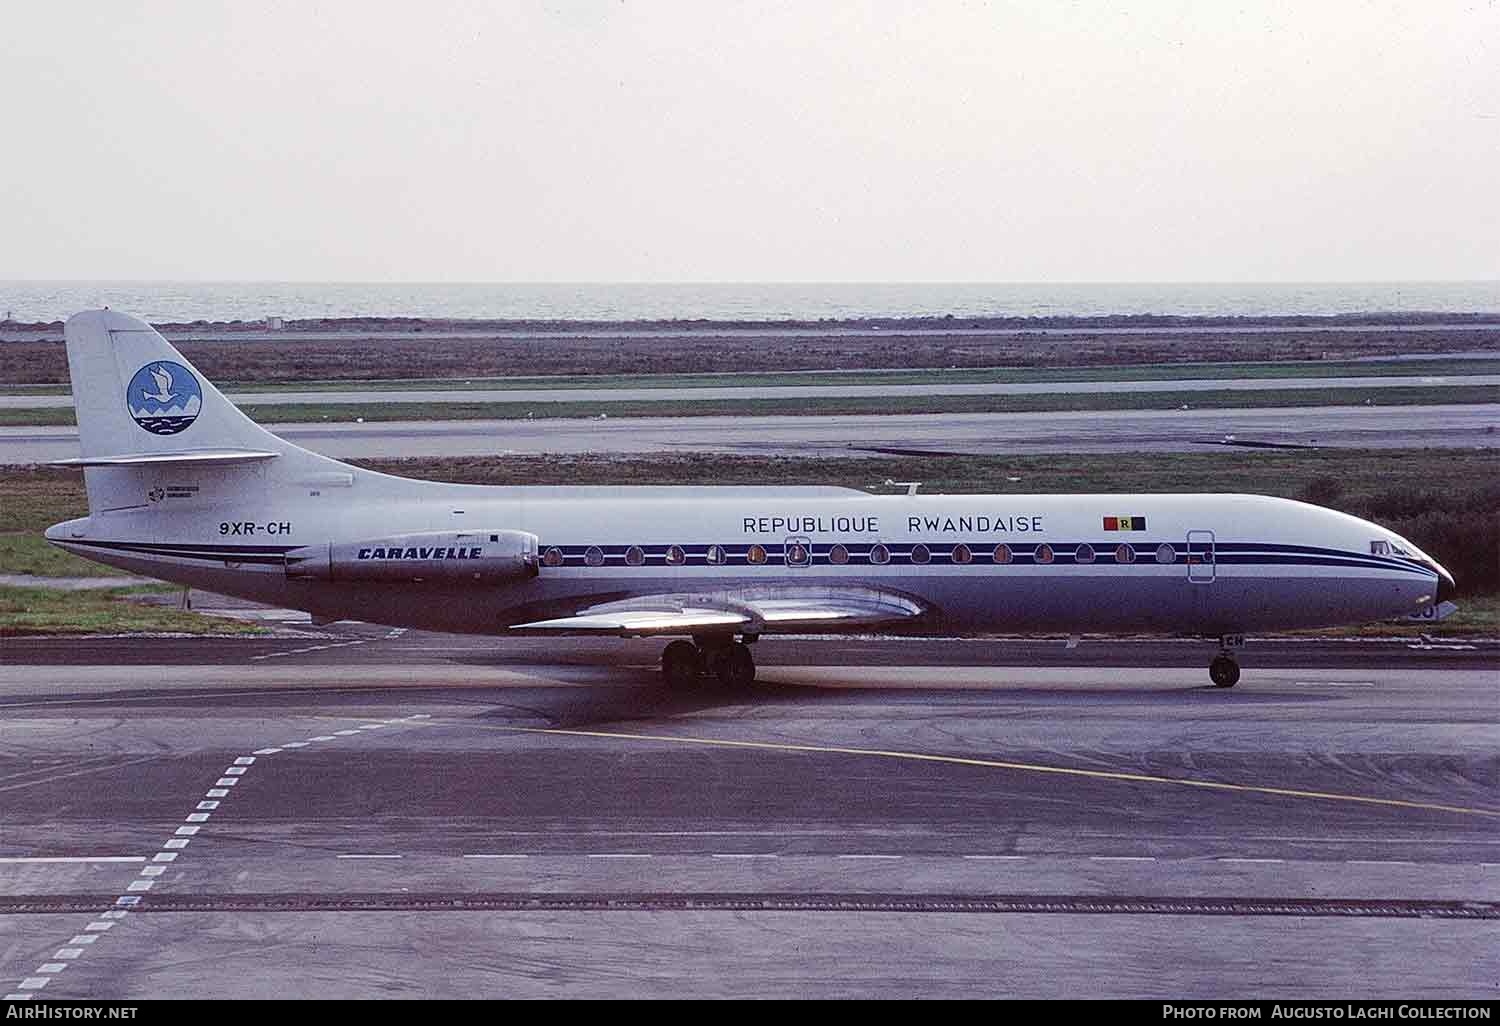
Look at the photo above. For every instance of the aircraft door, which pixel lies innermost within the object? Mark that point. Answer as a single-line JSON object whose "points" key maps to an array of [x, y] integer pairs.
{"points": [[1200, 557]]}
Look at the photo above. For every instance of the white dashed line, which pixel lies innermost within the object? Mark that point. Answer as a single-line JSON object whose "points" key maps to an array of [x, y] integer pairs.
{"points": [[744, 855], [1333, 684], [1377, 862], [618, 855], [1122, 858], [74, 858], [885, 857], [1253, 861], [497, 856], [174, 844], [996, 858], [369, 856]]}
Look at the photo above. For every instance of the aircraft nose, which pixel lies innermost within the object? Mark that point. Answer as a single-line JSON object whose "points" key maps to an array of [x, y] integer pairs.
{"points": [[1446, 588]]}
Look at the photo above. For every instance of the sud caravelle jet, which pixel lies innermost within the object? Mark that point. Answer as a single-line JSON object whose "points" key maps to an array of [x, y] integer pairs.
{"points": [[184, 487]]}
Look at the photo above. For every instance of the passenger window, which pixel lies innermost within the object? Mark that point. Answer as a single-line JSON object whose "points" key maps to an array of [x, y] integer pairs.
{"points": [[1124, 554], [880, 554], [552, 557], [756, 555], [594, 556], [1003, 554], [716, 555], [797, 554], [1165, 553], [960, 554], [1042, 554], [1083, 554], [675, 556], [838, 554], [635, 555]]}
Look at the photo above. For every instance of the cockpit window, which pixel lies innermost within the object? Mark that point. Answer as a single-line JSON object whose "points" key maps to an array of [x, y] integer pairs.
{"points": [[1380, 548]]}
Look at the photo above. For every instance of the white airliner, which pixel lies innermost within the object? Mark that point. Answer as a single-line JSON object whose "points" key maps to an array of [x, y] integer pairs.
{"points": [[184, 487]]}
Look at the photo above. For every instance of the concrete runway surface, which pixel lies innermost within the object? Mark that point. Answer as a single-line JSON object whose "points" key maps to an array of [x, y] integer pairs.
{"points": [[972, 433], [371, 812]]}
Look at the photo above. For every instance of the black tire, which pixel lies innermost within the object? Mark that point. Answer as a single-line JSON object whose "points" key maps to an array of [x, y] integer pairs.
{"points": [[681, 665], [736, 668], [1224, 672]]}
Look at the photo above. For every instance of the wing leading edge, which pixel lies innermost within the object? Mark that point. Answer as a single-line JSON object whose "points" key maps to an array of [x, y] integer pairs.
{"points": [[737, 612]]}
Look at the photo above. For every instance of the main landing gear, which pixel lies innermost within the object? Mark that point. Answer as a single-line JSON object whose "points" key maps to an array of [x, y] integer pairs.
{"points": [[1224, 671], [684, 662]]}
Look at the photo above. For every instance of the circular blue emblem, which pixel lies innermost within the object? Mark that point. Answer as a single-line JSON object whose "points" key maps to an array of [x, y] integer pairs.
{"points": [[164, 397]]}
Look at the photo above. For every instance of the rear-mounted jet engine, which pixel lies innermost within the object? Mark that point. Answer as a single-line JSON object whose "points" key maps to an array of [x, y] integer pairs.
{"points": [[434, 557]]}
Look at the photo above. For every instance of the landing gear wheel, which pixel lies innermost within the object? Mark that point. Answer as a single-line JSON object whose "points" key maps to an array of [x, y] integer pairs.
{"points": [[681, 664], [1224, 672], [736, 667]]}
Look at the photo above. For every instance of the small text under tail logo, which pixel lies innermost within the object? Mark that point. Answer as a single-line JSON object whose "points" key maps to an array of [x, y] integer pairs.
{"points": [[164, 397]]}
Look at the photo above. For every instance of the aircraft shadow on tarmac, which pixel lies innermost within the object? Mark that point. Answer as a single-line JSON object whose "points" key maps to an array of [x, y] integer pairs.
{"points": [[636, 695]]}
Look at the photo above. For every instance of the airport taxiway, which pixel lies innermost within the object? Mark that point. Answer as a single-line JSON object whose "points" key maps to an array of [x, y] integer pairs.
{"points": [[438, 396], [364, 811]]}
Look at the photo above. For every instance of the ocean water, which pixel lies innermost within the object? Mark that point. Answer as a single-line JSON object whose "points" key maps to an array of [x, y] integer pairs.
{"points": [[169, 301]]}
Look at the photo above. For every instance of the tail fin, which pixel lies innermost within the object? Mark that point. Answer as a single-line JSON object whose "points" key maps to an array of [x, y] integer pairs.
{"points": [[143, 407], [135, 394]]}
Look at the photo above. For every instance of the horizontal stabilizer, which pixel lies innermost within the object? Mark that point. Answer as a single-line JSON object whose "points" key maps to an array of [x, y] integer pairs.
{"points": [[193, 456]]}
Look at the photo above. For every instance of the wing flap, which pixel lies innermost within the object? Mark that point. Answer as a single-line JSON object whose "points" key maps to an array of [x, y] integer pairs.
{"points": [[773, 610], [629, 623]]}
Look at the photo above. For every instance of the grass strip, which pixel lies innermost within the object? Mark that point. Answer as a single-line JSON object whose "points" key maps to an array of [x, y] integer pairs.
{"points": [[1054, 402]]}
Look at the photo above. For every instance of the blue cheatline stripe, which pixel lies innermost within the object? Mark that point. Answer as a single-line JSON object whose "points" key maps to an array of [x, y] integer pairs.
{"points": [[1022, 554]]}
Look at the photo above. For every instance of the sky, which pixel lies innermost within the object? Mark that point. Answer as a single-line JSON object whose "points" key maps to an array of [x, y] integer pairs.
{"points": [[1030, 141]]}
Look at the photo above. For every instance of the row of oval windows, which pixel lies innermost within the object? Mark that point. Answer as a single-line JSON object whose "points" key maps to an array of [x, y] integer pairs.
{"points": [[798, 555]]}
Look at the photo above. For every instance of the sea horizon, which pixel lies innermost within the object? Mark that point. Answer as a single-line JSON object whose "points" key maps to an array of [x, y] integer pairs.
{"points": [[160, 301]]}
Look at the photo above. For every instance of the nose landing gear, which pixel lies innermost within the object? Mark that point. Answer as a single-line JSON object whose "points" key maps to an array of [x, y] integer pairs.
{"points": [[684, 662], [1224, 671]]}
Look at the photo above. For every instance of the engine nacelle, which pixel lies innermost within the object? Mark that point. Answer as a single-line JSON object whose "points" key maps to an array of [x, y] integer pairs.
{"points": [[433, 557]]}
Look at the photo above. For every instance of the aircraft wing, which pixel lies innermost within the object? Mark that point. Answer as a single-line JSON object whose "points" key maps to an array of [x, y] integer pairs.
{"points": [[770, 610]]}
